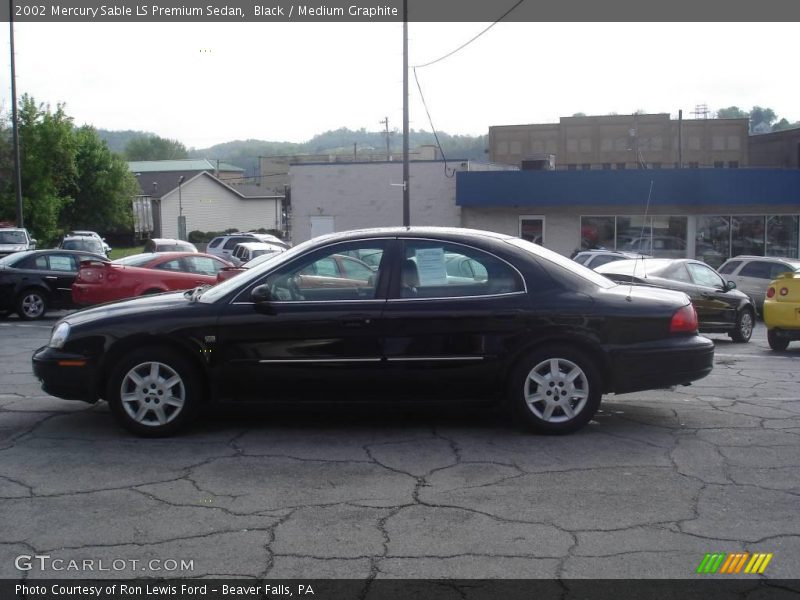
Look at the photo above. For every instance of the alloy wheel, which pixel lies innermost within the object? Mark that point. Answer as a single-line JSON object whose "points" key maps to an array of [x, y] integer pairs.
{"points": [[152, 394], [556, 390]]}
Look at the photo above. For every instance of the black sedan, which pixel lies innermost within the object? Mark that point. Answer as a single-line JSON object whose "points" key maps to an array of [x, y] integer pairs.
{"points": [[33, 281], [720, 307], [531, 328]]}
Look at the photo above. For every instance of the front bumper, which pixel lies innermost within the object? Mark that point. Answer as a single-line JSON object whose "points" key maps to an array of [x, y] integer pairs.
{"points": [[65, 375], [661, 364]]}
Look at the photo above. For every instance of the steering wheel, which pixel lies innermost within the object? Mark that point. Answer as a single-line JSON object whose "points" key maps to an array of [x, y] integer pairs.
{"points": [[294, 288]]}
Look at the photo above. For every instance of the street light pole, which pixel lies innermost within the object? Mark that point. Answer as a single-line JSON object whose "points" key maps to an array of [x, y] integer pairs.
{"points": [[181, 218], [15, 122], [406, 176]]}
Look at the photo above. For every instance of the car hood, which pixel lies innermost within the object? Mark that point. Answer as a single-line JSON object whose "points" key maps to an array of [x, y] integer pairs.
{"points": [[134, 307]]}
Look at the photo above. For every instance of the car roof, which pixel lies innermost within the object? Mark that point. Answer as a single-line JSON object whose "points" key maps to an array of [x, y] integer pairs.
{"points": [[258, 246], [418, 232]]}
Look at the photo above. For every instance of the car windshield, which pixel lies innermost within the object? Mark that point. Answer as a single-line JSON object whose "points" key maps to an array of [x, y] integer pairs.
{"points": [[89, 244], [563, 262], [242, 280], [12, 237], [135, 260]]}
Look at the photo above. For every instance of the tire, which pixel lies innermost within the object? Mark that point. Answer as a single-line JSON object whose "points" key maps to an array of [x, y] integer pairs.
{"points": [[31, 304], [744, 327], [563, 397], [776, 343], [154, 392]]}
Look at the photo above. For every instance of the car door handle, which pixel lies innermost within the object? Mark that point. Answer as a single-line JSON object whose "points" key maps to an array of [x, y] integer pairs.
{"points": [[51, 277], [355, 321]]}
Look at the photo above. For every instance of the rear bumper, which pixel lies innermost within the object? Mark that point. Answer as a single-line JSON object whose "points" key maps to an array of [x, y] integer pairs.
{"points": [[65, 375], [650, 365]]}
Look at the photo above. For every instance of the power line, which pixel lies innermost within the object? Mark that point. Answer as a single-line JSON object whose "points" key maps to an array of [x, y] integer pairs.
{"points": [[465, 44], [430, 120]]}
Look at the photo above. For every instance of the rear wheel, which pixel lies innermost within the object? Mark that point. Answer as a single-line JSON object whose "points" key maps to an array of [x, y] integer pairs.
{"points": [[775, 342], [31, 304], [153, 392], [555, 390], [744, 327]]}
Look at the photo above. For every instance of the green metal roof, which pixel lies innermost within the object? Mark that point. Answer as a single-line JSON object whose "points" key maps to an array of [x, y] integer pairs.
{"points": [[185, 164]]}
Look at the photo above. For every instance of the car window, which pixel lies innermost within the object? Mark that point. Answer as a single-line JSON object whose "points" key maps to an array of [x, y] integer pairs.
{"points": [[134, 260], [215, 242], [236, 240], [757, 268], [355, 269], [170, 265], [202, 265], [40, 263], [777, 269], [424, 272], [729, 267], [13, 237], [703, 275], [62, 262], [317, 277], [604, 258], [581, 259], [678, 273]]}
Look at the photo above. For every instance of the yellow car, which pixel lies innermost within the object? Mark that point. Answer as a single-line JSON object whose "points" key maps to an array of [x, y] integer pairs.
{"points": [[782, 311]]}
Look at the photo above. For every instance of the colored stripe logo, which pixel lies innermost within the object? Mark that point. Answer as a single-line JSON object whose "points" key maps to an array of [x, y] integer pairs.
{"points": [[734, 563]]}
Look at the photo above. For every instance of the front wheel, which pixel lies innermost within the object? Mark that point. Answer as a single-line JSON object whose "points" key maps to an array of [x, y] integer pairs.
{"points": [[775, 342], [153, 392], [555, 390], [744, 327]]}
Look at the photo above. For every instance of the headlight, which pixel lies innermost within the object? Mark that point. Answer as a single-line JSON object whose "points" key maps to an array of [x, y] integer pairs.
{"points": [[59, 335]]}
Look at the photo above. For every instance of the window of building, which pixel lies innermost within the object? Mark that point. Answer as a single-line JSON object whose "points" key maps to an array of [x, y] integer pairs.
{"points": [[572, 167], [719, 164], [606, 166], [531, 228], [747, 235], [620, 166], [782, 232], [733, 164], [712, 239], [598, 232], [694, 165], [655, 165], [586, 166]]}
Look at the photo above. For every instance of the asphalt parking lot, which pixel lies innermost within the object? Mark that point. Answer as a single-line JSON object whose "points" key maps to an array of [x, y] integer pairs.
{"points": [[658, 480]]}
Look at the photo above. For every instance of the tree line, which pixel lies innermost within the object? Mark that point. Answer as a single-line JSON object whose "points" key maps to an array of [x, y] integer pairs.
{"points": [[70, 179]]}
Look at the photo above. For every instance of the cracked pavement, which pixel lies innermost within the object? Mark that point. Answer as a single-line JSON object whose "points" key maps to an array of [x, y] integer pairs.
{"points": [[657, 480]]}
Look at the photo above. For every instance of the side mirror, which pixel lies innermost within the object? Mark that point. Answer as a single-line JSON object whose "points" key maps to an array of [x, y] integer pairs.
{"points": [[33, 243], [731, 285], [261, 294]]}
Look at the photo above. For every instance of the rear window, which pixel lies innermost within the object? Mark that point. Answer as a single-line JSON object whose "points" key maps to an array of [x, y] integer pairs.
{"points": [[135, 260], [729, 267], [563, 262]]}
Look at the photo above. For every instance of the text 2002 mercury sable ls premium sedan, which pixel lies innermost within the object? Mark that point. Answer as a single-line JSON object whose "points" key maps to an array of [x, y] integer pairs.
{"points": [[525, 326]]}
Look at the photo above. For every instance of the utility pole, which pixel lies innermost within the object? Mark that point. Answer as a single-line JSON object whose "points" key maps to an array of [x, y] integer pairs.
{"points": [[406, 177], [386, 135], [15, 123]]}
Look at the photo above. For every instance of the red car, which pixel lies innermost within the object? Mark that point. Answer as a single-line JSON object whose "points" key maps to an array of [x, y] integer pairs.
{"points": [[142, 274]]}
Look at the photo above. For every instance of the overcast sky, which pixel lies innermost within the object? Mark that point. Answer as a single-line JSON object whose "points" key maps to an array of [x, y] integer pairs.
{"points": [[209, 83]]}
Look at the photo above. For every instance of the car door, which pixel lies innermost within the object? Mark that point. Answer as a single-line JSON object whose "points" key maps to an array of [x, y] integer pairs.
{"points": [[446, 334], [716, 305], [309, 342], [61, 270]]}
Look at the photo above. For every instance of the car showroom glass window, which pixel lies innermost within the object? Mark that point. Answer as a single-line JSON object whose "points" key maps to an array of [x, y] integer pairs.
{"points": [[563, 262], [424, 273]]}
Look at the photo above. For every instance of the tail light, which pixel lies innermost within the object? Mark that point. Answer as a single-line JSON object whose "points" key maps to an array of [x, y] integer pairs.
{"points": [[684, 320], [771, 292], [94, 271]]}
